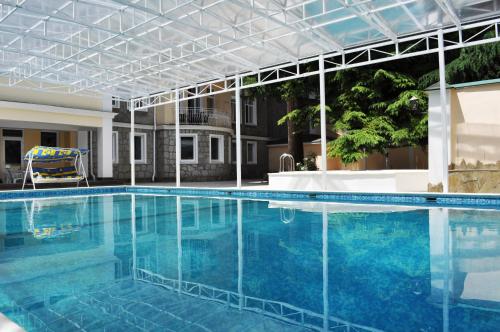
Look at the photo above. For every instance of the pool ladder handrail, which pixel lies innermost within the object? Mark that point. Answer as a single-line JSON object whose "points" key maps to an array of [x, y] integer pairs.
{"points": [[283, 163], [285, 217]]}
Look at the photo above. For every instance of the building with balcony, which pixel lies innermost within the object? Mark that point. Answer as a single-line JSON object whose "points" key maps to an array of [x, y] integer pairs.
{"points": [[208, 146]]}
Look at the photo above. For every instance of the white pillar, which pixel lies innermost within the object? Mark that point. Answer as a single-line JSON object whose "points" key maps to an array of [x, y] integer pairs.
{"points": [[105, 149], [177, 141], [82, 142], [238, 131], [322, 117], [444, 115], [132, 141]]}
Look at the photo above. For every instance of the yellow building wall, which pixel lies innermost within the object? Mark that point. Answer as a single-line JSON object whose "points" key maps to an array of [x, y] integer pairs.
{"points": [[31, 138], [475, 124], [23, 95], [49, 117], [223, 102]]}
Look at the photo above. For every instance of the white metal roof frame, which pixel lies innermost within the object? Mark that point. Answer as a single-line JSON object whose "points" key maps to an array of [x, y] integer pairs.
{"points": [[131, 48]]}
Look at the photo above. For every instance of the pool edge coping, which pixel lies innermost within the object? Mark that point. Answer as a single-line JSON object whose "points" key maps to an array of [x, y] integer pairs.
{"points": [[411, 198]]}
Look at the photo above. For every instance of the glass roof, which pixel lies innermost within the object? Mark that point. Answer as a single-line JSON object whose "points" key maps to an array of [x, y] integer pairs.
{"points": [[135, 47]]}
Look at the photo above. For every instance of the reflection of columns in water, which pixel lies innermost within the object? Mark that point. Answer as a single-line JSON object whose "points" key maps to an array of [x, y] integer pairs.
{"points": [[325, 269], [240, 252], [446, 286], [179, 241], [439, 234], [106, 215], [134, 244]]}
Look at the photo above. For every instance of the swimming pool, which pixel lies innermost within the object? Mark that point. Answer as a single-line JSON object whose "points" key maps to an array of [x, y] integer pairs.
{"points": [[148, 261]]}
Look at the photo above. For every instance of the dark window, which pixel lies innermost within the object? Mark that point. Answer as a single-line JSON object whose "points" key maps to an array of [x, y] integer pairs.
{"points": [[137, 147], [233, 152], [187, 148], [12, 133], [210, 102], [48, 139], [214, 148], [12, 152]]}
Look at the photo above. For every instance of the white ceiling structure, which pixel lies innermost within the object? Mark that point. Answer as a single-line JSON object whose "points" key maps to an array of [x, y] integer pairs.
{"points": [[133, 48]]}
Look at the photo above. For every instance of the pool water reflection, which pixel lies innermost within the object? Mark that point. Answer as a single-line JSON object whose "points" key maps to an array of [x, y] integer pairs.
{"points": [[144, 262]]}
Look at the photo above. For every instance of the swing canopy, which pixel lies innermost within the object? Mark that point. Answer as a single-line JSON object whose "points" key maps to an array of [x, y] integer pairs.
{"points": [[52, 154]]}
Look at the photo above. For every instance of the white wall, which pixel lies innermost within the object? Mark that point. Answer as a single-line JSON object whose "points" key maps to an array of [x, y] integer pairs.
{"points": [[436, 160], [357, 181]]}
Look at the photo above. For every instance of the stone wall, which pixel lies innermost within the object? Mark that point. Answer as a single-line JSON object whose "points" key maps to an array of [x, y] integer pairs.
{"points": [[475, 178], [471, 178], [121, 169], [203, 170]]}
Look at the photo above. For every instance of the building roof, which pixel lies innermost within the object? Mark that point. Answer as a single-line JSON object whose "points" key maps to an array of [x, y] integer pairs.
{"points": [[435, 86], [132, 48], [476, 83]]}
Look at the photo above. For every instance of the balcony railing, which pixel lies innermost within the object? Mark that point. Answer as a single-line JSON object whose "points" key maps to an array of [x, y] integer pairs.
{"points": [[204, 116]]}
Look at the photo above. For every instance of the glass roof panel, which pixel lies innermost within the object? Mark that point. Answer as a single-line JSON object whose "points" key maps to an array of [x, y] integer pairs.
{"points": [[133, 47]]}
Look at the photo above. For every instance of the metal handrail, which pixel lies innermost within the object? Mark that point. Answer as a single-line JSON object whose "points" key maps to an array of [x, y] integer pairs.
{"points": [[283, 163], [204, 116]]}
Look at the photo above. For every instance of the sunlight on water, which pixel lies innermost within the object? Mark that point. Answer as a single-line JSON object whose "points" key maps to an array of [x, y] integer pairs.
{"points": [[144, 262]]}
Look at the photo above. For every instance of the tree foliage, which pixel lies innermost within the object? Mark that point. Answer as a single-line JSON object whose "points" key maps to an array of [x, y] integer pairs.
{"points": [[473, 63], [375, 111]]}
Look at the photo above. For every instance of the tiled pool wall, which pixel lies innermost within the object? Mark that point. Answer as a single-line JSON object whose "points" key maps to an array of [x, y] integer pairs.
{"points": [[426, 199]]}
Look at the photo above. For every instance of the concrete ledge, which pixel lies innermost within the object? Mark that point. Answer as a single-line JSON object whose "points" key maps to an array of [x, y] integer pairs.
{"points": [[383, 181]]}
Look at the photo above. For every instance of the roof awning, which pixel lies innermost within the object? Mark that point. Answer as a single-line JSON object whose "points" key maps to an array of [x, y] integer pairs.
{"points": [[130, 48]]}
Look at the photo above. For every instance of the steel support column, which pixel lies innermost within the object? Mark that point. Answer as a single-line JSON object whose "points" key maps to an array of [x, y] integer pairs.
{"points": [[238, 131], [132, 143], [177, 141], [322, 99], [444, 110]]}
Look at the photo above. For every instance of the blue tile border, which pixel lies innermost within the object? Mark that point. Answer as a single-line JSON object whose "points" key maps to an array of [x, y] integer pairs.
{"points": [[421, 199]]}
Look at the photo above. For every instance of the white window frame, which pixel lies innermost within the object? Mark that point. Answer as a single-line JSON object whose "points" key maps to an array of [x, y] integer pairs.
{"points": [[220, 159], [221, 220], [143, 206], [233, 114], [137, 110], [254, 157], [195, 149], [144, 146], [115, 141], [115, 102], [196, 214], [252, 102]]}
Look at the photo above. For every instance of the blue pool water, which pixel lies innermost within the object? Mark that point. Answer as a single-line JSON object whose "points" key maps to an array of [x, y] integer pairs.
{"points": [[166, 263]]}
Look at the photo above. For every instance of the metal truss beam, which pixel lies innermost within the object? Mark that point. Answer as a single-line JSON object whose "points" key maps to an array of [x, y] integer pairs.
{"points": [[377, 53], [448, 9]]}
